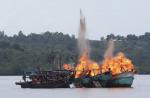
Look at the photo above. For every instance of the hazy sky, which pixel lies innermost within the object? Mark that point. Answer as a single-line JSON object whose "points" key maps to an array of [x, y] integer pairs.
{"points": [[102, 16]]}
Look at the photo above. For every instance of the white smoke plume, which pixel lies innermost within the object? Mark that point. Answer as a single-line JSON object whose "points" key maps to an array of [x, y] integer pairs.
{"points": [[110, 49], [82, 41]]}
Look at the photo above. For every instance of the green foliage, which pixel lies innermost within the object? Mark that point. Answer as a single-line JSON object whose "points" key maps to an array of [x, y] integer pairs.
{"points": [[51, 50]]}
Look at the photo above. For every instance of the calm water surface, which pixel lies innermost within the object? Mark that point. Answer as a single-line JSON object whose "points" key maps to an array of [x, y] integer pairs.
{"points": [[141, 89]]}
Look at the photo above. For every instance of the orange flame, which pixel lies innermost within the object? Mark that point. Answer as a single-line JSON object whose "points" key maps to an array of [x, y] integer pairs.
{"points": [[115, 65], [85, 67], [68, 67], [118, 64]]}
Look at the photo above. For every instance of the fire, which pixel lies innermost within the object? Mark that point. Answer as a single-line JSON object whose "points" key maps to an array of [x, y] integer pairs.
{"points": [[85, 67], [115, 65], [82, 67], [118, 64], [68, 67], [94, 69]]}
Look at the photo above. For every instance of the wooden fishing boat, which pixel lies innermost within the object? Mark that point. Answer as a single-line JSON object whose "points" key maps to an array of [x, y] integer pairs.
{"points": [[106, 80], [45, 79]]}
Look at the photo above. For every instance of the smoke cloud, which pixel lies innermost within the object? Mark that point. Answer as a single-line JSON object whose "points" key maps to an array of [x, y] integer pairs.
{"points": [[82, 41], [110, 49]]}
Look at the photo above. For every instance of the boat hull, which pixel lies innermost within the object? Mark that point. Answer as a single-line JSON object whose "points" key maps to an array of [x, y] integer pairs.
{"points": [[106, 80], [97, 81], [121, 80], [103, 79], [42, 85], [83, 82]]}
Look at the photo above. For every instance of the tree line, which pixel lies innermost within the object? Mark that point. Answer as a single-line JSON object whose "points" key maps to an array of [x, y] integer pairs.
{"points": [[50, 50]]}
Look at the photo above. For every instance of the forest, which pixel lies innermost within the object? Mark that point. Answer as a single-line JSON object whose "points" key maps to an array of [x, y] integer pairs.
{"points": [[50, 50]]}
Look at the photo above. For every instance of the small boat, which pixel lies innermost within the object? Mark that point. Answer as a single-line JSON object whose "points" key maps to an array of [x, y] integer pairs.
{"points": [[45, 79], [106, 80]]}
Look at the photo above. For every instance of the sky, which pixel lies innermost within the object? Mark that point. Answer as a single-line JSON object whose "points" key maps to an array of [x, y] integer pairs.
{"points": [[102, 16]]}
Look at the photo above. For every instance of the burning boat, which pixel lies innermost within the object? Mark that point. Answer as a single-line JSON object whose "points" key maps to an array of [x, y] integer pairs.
{"points": [[114, 72], [122, 71]]}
